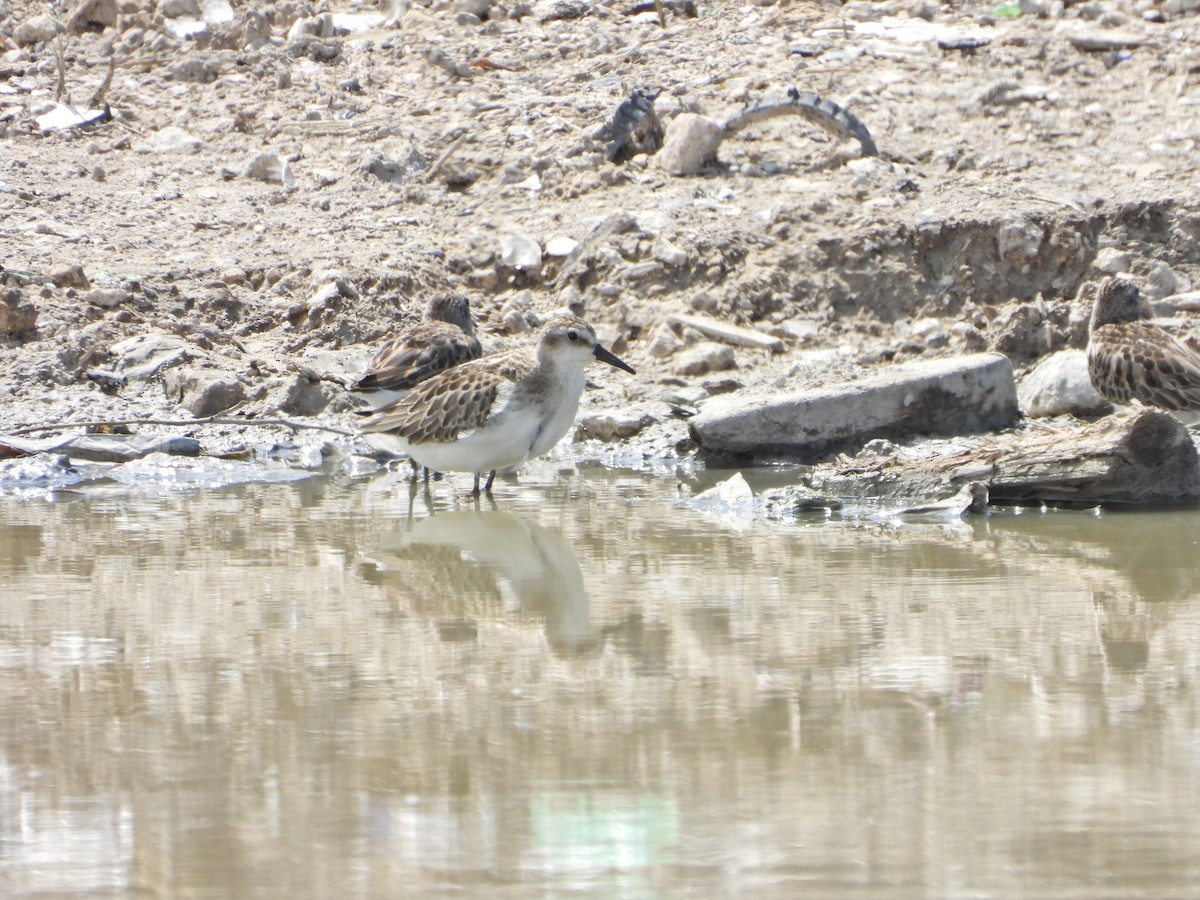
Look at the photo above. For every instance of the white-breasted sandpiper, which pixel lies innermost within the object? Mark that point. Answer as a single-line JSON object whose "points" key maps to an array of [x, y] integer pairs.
{"points": [[495, 412]]}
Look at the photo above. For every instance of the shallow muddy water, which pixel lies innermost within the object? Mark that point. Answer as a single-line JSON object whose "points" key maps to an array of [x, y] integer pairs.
{"points": [[303, 690]]}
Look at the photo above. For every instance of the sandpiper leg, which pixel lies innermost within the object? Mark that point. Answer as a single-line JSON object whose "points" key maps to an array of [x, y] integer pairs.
{"points": [[488, 488], [475, 489], [415, 468]]}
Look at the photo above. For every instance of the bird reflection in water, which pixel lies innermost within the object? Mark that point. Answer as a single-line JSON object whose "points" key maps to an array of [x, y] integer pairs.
{"points": [[460, 567]]}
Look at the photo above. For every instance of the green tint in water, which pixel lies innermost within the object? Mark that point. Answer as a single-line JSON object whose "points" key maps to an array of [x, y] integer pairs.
{"points": [[298, 690]]}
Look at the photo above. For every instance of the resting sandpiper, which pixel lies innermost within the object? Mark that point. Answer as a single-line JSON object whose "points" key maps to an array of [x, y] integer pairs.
{"points": [[499, 411], [1132, 359], [444, 338]]}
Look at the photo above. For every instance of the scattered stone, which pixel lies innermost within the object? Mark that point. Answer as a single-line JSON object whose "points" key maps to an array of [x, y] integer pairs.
{"points": [[1106, 39], [302, 396], [1112, 261], [664, 342], [144, 356], [92, 15], [520, 251], [944, 396], [704, 358], [203, 392], [1026, 331], [173, 139], [726, 333], [1060, 385], [270, 167], [195, 70], [314, 48], [38, 30], [617, 424], [71, 275], [1163, 281], [690, 145], [173, 9], [106, 297], [16, 316], [668, 254], [455, 68]]}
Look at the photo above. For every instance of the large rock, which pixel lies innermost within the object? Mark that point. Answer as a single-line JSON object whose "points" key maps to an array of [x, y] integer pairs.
{"points": [[690, 145], [16, 316], [203, 392], [1059, 385], [959, 395]]}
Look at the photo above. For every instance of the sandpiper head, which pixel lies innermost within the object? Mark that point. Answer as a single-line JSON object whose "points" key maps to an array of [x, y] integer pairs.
{"points": [[1117, 300], [452, 308], [568, 340]]}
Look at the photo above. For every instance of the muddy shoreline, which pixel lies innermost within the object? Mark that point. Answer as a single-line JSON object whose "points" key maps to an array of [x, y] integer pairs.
{"points": [[277, 193]]}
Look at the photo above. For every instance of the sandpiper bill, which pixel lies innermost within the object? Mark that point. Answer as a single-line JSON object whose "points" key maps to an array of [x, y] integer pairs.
{"points": [[1131, 359], [445, 337], [495, 412]]}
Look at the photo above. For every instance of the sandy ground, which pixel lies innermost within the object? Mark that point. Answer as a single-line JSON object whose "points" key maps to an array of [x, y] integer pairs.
{"points": [[277, 193]]}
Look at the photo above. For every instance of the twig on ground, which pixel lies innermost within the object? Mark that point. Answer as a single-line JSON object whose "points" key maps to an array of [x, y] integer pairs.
{"points": [[182, 423], [98, 97], [60, 59], [445, 157]]}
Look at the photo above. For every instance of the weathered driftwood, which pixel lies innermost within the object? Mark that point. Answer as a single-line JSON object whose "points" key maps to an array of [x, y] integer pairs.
{"points": [[100, 447], [1141, 457], [726, 333]]}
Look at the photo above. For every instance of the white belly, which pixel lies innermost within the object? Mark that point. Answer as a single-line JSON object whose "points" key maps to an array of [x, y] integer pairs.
{"points": [[524, 428]]}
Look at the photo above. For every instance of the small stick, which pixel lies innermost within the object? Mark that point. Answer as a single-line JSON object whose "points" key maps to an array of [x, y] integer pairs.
{"points": [[98, 97], [61, 62], [211, 420], [445, 157]]}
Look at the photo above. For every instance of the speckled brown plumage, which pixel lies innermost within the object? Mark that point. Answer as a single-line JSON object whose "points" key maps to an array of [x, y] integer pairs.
{"points": [[1130, 359], [443, 339], [496, 412], [453, 402]]}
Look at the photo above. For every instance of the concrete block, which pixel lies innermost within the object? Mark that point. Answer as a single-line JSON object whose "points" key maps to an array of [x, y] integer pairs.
{"points": [[958, 395]]}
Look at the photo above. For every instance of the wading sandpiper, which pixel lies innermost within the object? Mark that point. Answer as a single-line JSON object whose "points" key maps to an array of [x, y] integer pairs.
{"points": [[445, 337], [498, 411], [1131, 359]]}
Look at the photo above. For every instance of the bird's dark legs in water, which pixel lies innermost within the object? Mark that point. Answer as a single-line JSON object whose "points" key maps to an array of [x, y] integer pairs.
{"points": [[487, 488]]}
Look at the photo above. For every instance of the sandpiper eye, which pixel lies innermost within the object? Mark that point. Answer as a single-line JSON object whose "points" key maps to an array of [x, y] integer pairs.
{"points": [[572, 336]]}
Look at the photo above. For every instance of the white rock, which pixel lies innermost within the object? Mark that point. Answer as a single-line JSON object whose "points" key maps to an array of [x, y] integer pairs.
{"points": [[561, 246], [664, 342], [618, 424], [943, 396], [1060, 385], [690, 144], [173, 9], [520, 251], [173, 139], [704, 358], [668, 254], [107, 297], [38, 30], [1162, 281], [270, 167], [145, 355], [1110, 260], [1019, 240]]}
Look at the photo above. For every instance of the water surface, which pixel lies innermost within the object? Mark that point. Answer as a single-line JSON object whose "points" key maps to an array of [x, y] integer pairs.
{"points": [[310, 690]]}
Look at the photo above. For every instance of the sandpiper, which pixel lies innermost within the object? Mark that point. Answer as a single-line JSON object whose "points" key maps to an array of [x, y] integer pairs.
{"points": [[499, 411], [1131, 359], [444, 338]]}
